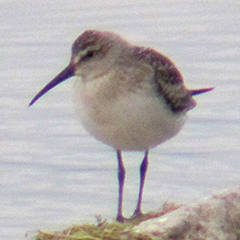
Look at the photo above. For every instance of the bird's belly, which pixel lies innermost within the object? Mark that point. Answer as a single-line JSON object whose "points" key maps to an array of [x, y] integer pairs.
{"points": [[132, 122]]}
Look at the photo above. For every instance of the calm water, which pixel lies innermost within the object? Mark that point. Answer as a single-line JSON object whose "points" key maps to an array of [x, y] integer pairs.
{"points": [[52, 173]]}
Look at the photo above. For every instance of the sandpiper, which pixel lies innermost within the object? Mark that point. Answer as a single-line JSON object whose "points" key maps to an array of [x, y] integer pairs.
{"points": [[129, 97]]}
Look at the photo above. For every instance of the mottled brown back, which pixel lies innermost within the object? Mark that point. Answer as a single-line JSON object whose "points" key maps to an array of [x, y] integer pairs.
{"points": [[168, 81]]}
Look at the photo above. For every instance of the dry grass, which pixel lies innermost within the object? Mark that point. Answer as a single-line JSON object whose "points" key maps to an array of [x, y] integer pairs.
{"points": [[104, 230]]}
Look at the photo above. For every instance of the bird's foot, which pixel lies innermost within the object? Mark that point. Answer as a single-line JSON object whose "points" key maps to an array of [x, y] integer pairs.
{"points": [[136, 214], [121, 219]]}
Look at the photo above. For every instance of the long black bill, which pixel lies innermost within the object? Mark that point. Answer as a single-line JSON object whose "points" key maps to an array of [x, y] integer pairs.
{"points": [[62, 76]]}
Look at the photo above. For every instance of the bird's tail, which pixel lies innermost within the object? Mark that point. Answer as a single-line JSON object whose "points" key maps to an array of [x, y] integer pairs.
{"points": [[200, 91]]}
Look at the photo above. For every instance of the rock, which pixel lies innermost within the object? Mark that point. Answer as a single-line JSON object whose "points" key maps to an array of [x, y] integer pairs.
{"points": [[215, 218]]}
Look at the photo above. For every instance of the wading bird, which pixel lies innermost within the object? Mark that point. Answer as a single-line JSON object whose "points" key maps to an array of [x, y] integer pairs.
{"points": [[129, 97]]}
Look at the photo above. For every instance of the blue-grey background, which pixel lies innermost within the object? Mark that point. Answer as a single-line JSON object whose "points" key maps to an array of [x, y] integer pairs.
{"points": [[52, 173]]}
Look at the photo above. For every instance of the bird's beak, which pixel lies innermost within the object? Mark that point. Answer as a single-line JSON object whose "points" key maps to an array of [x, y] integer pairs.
{"points": [[62, 76]]}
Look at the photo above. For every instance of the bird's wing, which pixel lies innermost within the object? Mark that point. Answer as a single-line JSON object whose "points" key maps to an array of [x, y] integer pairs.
{"points": [[169, 84]]}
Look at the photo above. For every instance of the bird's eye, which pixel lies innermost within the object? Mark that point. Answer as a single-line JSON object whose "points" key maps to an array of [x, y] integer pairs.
{"points": [[89, 54]]}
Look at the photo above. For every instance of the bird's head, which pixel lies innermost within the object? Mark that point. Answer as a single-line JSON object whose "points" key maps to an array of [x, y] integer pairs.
{"points": [[93, 54]]}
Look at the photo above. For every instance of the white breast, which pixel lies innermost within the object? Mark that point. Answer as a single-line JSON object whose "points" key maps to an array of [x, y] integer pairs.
{"points": [[129, 121]]}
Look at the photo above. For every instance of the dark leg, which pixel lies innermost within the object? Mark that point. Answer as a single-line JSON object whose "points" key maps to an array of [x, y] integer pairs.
{"points": [[121, 177], [143, 170]]}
